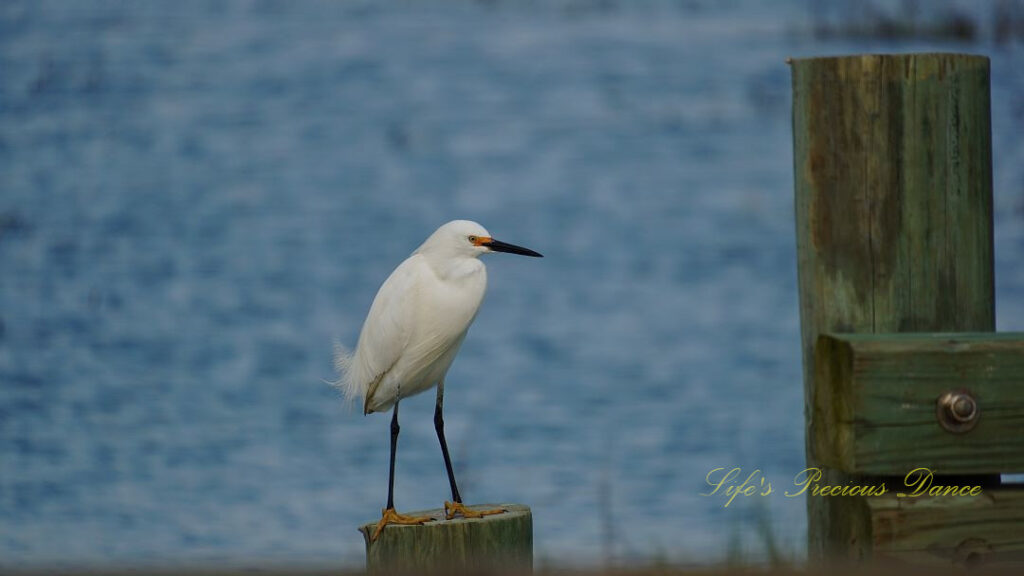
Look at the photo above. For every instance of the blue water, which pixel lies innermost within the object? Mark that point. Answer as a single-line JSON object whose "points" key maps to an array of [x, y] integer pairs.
{"points": [[196, 200]]}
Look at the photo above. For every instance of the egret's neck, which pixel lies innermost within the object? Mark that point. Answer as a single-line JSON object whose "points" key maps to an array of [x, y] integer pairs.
{"points": [[454, 269]]}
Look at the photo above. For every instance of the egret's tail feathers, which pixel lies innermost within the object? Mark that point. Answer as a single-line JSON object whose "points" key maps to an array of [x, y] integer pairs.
{"points": [[349, 385]]}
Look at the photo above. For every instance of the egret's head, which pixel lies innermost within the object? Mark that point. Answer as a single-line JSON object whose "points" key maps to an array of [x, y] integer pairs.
{"points": [[469, 239]]}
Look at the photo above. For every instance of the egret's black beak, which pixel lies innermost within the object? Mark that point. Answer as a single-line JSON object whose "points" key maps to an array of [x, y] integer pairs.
{"points": [[499, 246]]}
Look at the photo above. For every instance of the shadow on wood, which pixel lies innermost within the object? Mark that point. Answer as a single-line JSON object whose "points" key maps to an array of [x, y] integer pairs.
{"points": [[502, 543]]}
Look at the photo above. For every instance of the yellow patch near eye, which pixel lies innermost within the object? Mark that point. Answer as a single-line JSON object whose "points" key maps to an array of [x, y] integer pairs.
{"points": [[479, 240]]}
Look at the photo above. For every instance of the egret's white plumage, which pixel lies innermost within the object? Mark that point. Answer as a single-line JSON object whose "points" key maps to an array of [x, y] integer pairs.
{"points": [[414, 329], [418, 319]]}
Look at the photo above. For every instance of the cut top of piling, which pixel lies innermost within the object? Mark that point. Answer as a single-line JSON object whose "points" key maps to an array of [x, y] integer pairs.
{"points": [[950, 56], [498, 542]]}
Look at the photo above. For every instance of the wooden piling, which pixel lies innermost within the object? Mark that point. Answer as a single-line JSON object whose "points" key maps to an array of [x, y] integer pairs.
{"points": [[893, 185], [876, 403], [500, 543]]}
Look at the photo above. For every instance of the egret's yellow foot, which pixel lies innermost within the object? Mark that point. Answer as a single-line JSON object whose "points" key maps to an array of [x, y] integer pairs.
{"points": [[453, 508], [390, 516]]}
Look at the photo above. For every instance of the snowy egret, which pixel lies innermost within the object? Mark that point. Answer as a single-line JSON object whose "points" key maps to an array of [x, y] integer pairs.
{"points": [[414, 329]]}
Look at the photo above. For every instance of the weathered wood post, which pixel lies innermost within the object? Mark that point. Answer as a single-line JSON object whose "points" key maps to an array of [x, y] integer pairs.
{"points": [[893, 183], [501, 543]]}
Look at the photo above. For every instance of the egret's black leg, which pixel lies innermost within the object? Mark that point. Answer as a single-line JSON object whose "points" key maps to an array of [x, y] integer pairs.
{"points": [[456, 507], [394, 446], [388, 515], [439, 426]]}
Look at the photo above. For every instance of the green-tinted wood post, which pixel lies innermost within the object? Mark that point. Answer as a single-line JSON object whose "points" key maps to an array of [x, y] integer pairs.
{"points": [[893, 183], [884, 404], [500, 543]]}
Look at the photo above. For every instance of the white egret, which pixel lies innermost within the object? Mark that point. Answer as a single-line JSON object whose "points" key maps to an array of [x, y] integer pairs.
{"points": [[414, 329]]}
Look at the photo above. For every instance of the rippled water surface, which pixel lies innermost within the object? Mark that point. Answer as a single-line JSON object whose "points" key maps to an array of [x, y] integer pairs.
{"points": [[196, 200]]}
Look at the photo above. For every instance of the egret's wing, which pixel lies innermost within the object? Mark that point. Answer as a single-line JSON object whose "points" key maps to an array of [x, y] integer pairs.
{"points": [[387, 330], [430, 346]]}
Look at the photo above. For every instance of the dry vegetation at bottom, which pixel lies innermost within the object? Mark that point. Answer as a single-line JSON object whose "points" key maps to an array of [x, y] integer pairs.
{"points": [[872, 569]]}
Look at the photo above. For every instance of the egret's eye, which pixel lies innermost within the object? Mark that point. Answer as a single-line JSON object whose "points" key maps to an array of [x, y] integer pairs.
{"points": [[473, 239]]}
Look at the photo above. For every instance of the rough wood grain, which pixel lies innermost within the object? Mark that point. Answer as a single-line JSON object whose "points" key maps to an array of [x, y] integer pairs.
{"points": [[501, 543], [877, 397], [943, 531], [893, 201]]}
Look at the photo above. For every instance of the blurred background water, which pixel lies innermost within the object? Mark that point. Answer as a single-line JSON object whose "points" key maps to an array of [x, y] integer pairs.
{"points": [[196, 199]]}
